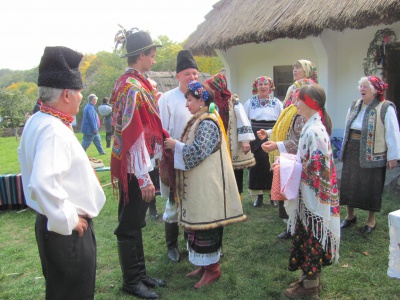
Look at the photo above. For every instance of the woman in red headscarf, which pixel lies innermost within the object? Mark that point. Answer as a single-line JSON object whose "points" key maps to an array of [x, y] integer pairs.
{"points": [[371, 143], [262, 110], [237, 126]]}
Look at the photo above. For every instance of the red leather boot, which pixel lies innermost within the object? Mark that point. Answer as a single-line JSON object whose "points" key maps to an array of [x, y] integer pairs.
{"points": [[197, 272], [211, 273]]}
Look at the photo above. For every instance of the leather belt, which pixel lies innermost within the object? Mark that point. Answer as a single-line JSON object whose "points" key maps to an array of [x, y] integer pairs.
{"points": [[355, 135]]}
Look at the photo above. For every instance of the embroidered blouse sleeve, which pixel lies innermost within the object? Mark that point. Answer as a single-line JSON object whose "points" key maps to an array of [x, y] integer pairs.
{"points": [[244, 131], [247, 108], [291, 144], [205, 141]]}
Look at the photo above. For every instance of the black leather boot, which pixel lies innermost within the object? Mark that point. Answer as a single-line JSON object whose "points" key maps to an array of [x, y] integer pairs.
{"points": [[171, 238], [108, 139], [132, 283], [153, 209], [147, 280], [259, 201]]}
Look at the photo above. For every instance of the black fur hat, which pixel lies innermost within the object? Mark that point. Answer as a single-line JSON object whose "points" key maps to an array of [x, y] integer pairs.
{"points": [[59, 68], [185, 61]]}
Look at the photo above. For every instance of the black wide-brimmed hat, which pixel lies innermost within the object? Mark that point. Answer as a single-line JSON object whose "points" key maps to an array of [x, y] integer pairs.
{"points": [[59, 68], [138, 42]]}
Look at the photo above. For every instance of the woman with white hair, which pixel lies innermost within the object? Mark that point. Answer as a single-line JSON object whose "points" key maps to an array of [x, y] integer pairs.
{"points": [[371, 143]]}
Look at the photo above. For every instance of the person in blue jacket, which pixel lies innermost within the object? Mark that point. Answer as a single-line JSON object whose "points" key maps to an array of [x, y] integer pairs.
{"points": [[91, 125]]}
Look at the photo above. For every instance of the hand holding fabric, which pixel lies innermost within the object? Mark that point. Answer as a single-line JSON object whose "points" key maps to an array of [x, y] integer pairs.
{"points": [[169, 143]]}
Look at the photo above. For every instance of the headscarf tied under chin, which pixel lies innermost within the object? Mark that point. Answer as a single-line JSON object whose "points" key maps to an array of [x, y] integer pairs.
{"points": [[260, 80], [310, 70], [218, 84], [379, 86]]}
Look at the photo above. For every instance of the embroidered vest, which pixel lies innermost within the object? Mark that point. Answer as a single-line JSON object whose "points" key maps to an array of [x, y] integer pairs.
{"points": [[240, 160], [208, 194], [373, 148]]}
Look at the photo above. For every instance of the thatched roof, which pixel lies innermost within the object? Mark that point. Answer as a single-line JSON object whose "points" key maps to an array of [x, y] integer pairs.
{"points": [[167, 80], [236, 22]]}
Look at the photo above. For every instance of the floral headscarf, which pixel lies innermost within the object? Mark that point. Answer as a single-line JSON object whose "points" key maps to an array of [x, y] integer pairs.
{"points": [[218, 84], [379, 86], [295, 86], [262, 79], [310, 70], [198, 90]]}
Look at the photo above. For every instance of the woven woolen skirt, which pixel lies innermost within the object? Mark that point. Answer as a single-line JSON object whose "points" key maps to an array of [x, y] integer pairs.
{"points": [[360, 187]]}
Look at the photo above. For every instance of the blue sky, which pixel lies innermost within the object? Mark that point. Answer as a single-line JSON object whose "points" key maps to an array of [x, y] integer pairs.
{"points": [[28, 26]]}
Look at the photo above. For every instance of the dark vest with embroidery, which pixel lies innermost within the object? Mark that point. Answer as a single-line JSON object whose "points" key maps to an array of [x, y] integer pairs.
{"points": [[373, 148]]}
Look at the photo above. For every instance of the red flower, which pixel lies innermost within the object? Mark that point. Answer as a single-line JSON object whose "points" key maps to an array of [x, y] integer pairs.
{"points": [[316, 183]]}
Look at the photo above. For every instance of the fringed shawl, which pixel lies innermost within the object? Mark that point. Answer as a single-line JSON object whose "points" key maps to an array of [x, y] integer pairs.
{"points": [[319, 199], [137, 124]]}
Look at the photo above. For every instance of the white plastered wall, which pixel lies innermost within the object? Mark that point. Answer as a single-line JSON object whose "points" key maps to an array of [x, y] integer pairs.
{"points": [[339, 57]]}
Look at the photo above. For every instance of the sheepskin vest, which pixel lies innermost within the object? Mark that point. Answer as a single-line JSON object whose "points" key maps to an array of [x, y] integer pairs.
{"points": [[240, 160], [373, 148], [208, 194]]}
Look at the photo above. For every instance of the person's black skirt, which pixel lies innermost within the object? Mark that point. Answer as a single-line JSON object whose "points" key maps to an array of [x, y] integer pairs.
{"points": [[260, 175], [360, 187]]}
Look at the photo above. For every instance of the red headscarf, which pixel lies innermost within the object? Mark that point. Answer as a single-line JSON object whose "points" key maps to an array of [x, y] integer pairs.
{"points": [[378, 85], [219, 85], [262, 79]]}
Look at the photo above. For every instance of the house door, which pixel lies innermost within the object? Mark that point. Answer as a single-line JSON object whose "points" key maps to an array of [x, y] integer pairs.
{"points": [[392, 72]]}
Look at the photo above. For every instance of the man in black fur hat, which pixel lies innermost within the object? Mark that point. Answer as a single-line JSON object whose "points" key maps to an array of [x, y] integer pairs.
{"points": [[59, 182], [174, 116]]}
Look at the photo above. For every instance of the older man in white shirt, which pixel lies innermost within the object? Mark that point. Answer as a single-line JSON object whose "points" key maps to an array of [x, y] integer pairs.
{"points": [[59, 182]]}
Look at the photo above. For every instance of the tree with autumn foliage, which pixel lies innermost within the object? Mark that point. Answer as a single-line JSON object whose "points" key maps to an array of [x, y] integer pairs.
{"points": [[28, 89], [15, 108], [99, 73]]}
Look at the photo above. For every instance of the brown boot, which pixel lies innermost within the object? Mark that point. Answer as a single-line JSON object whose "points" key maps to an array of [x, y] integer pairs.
{"points": [[211, 274], [300, 280], [197, 272], [308, 288], [319, 281], [302, 277]]}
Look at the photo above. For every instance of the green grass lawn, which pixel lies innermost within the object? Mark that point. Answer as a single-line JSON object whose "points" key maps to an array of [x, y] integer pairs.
{"points": [[254, 265]]}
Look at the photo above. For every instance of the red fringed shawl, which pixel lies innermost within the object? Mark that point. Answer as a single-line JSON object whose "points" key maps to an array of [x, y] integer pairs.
{"points": [[135, 115]]}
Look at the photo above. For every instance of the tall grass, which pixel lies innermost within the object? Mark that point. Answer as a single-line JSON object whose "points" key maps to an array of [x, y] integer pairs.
{"points": [[254, 264]]}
